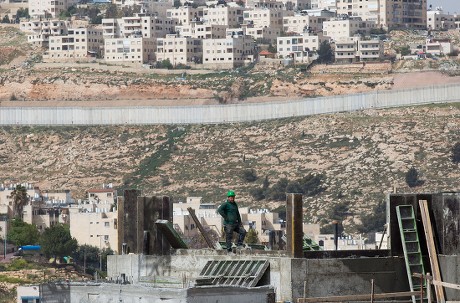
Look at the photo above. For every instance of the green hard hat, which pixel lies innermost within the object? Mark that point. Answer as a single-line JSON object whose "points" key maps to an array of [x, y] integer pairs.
{"points": [[230, 193]]}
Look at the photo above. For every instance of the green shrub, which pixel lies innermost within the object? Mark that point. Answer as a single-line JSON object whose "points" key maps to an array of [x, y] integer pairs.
{"points": [[249, 175]]}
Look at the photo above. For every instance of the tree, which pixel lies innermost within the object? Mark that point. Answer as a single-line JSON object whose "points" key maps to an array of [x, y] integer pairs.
{"points": [[177, 3], [404, 50], [375, 221], [412, 178], [249, 175], [456, 153], [112, 11], [325, 53], [22, 233], [6, 19], [252, 237], [57, 242], [272, 49], [20, 198], [22, 13]]}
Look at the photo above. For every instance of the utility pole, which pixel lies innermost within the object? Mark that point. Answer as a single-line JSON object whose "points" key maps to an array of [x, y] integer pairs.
{"points": [[4, 244], [100, 252]]}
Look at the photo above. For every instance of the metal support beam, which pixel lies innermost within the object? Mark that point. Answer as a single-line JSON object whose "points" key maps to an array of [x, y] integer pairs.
{"points": [[191, 211]]}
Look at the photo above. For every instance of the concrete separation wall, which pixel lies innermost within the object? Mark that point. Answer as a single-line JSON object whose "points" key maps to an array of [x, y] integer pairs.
{"points": [[226, 113]]}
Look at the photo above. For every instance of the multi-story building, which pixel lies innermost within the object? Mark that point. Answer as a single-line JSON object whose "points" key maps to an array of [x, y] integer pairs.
{"points": [[300, 48], [370, 50], [77, 44], [438, 47], [438, 20], [200, 30], [94, 221], [49, 9], [38, 31], [141, 25], [223, 15], [348, 50], [232, 51], [341, 28], [179, 50], [156, 7], [263, 24], [403, 14], [366, 10], [301, 23], [324, 4], [184, 15], [95, 227], [133, 39], [6, 199]]}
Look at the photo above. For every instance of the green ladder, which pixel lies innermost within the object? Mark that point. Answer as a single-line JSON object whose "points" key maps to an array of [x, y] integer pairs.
{"points": [[411, 246]]}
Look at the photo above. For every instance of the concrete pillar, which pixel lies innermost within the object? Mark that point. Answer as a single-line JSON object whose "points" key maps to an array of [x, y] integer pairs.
{"points": [[294, 225], [137, 216], [128, 220], [157, 208]]}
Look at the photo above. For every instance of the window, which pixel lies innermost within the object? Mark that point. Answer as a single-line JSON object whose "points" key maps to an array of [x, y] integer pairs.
{"points": [[107, 224]]}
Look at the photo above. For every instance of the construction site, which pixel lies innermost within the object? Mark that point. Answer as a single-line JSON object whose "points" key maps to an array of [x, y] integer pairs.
{"points": [[155, 265]]}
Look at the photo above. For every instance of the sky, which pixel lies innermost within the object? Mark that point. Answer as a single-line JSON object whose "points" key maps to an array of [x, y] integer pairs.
{"points": [[450, 6]]}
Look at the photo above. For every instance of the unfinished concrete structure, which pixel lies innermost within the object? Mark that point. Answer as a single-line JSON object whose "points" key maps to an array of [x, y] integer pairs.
{"points": [[208, 275]]}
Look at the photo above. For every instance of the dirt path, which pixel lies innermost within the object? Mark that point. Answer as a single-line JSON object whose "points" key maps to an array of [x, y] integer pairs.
{"points": [[420, 79]]}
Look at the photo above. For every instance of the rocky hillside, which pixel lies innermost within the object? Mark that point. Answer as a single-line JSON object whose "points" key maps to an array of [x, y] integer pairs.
{"points": [[361, 156]]}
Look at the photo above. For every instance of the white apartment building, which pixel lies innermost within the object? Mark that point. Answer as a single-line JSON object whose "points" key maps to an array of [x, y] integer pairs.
{"points": [[229, 52], [438, 20], [264, 24], [184, 15], [49, 9], [223, 15], [438, 47], [267, 4], [6, 200], [403, 14], [341, 28], [96, 228], [129, 50], [147, 26], [348, 50], [370, 50], [199, 30], [300, 48], [329, 5], [366, 10], [79, 43], [38, 32], [301, 23], [101, 198], [156, 7], [179, 50], [94, 221]]}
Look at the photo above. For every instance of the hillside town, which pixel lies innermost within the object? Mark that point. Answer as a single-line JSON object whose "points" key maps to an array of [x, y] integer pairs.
{"points": [[94, 220], [225, 34]]}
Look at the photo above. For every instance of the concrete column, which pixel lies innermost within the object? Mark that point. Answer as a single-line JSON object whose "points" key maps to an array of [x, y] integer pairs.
{"points": [[294, 225]]}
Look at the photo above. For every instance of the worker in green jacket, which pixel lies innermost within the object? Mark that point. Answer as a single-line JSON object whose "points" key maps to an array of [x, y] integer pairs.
{"points": [[232, 221]]}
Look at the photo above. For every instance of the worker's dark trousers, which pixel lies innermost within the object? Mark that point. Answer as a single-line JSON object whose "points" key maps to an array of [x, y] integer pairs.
{"points": [[229, 229]]}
